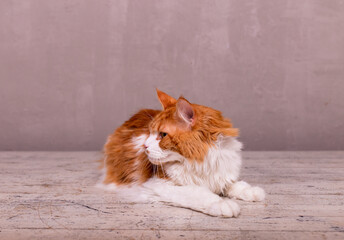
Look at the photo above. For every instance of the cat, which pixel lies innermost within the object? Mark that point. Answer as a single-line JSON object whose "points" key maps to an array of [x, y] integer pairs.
{"points": [[186, 155]]}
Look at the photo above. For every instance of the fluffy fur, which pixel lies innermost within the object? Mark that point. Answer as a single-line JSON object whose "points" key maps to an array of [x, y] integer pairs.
{"points": [[186, 155]]}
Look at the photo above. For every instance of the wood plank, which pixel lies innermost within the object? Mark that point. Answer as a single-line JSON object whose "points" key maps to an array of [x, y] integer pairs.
{"points": [[271, 188], [259, 210], [255, 155], [78, 215], [156, 233], [98, 196]]}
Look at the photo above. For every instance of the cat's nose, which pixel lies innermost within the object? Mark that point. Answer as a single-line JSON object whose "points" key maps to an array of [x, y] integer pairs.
{"points": [[146, 148]]}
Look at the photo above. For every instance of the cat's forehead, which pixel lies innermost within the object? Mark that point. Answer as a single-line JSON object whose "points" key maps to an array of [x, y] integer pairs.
{"points": [[164, 116], [164, 125], [166, 121]]}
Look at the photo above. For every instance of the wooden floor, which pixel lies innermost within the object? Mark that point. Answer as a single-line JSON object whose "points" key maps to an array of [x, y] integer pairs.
{"points": [[51, 195]]}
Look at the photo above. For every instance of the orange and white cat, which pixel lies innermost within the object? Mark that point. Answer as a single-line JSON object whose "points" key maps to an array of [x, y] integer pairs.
{"points": [[186, 155]]}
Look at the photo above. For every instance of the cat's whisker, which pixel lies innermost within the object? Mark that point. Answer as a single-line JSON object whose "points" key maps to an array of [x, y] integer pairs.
{"points": [[162, 168], [155, 171]]}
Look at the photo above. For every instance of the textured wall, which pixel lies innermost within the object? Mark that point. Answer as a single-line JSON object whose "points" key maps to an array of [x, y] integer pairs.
{"points": [[73, 70]]}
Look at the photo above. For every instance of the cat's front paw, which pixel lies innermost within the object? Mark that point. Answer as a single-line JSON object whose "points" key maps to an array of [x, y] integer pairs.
{"points": [[253, 194], [223, 208], [244, 191]]}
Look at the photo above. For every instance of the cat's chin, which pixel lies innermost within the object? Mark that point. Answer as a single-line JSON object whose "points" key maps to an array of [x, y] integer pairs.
{"points": [[157, 161], [170, 157]]}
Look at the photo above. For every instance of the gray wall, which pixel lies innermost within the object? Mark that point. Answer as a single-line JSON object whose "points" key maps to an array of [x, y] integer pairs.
{"points": [[71, 71]]}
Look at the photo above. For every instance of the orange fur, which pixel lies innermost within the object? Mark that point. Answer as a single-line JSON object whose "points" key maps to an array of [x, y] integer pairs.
{"points": [[191, 129], [123, 164]]}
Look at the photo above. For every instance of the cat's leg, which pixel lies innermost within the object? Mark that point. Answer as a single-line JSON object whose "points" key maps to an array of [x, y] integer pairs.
{"points": [[244, 191], [194, 197]]}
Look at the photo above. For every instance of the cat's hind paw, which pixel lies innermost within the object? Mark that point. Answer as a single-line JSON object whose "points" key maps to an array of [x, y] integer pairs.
{"points": [[223, 208]]}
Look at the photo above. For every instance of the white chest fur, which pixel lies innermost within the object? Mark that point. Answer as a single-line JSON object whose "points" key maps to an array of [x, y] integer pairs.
{"points": [[220, 168]]}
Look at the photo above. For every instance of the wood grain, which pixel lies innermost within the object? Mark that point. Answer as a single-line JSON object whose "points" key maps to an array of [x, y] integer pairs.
{"points": [[52, 195]]}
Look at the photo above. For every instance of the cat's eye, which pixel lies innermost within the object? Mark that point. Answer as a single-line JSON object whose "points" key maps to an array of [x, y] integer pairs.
{"points": [[163, 134]]}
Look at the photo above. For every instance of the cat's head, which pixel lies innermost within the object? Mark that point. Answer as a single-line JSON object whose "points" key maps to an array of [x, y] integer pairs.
{"points": [[184, 130]]}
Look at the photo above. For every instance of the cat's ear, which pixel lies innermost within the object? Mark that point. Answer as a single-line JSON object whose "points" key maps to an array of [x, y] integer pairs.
{"points": [[165, 100], [185, 112]]}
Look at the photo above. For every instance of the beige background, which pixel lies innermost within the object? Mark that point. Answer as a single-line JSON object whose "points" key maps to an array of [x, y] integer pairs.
{"points": [[73, 70]]}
